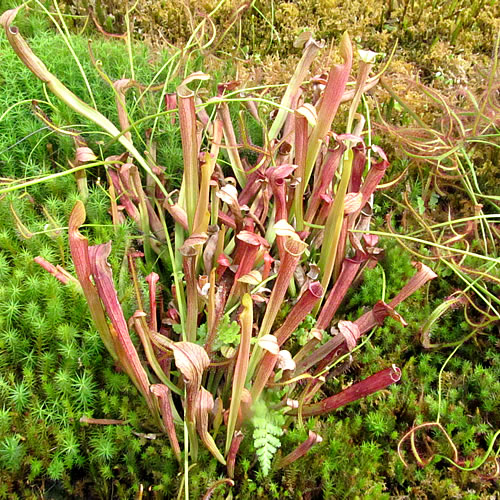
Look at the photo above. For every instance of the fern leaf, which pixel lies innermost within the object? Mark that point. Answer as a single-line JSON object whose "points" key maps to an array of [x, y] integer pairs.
{"points": [[267, 431]]}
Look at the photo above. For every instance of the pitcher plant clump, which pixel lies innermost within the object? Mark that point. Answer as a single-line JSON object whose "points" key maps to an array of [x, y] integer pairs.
{"points": [[263, 234]]}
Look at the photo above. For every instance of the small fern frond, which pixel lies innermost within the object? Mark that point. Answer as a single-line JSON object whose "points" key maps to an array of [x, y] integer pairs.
{"points": [[268, 428]]}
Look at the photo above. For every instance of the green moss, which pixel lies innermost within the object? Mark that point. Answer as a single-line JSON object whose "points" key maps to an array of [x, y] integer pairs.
{"points": [[28, 148]]}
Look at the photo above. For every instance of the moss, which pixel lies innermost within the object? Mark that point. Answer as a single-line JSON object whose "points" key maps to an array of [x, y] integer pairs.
{"points": [[268, 28], [28, 148]]}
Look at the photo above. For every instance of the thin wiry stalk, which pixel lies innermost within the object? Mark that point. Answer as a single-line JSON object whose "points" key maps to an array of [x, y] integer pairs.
{"points": [[241, 367]]}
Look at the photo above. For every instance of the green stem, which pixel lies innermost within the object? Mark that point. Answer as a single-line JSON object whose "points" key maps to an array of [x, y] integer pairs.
{"points": [[333, 225]]}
